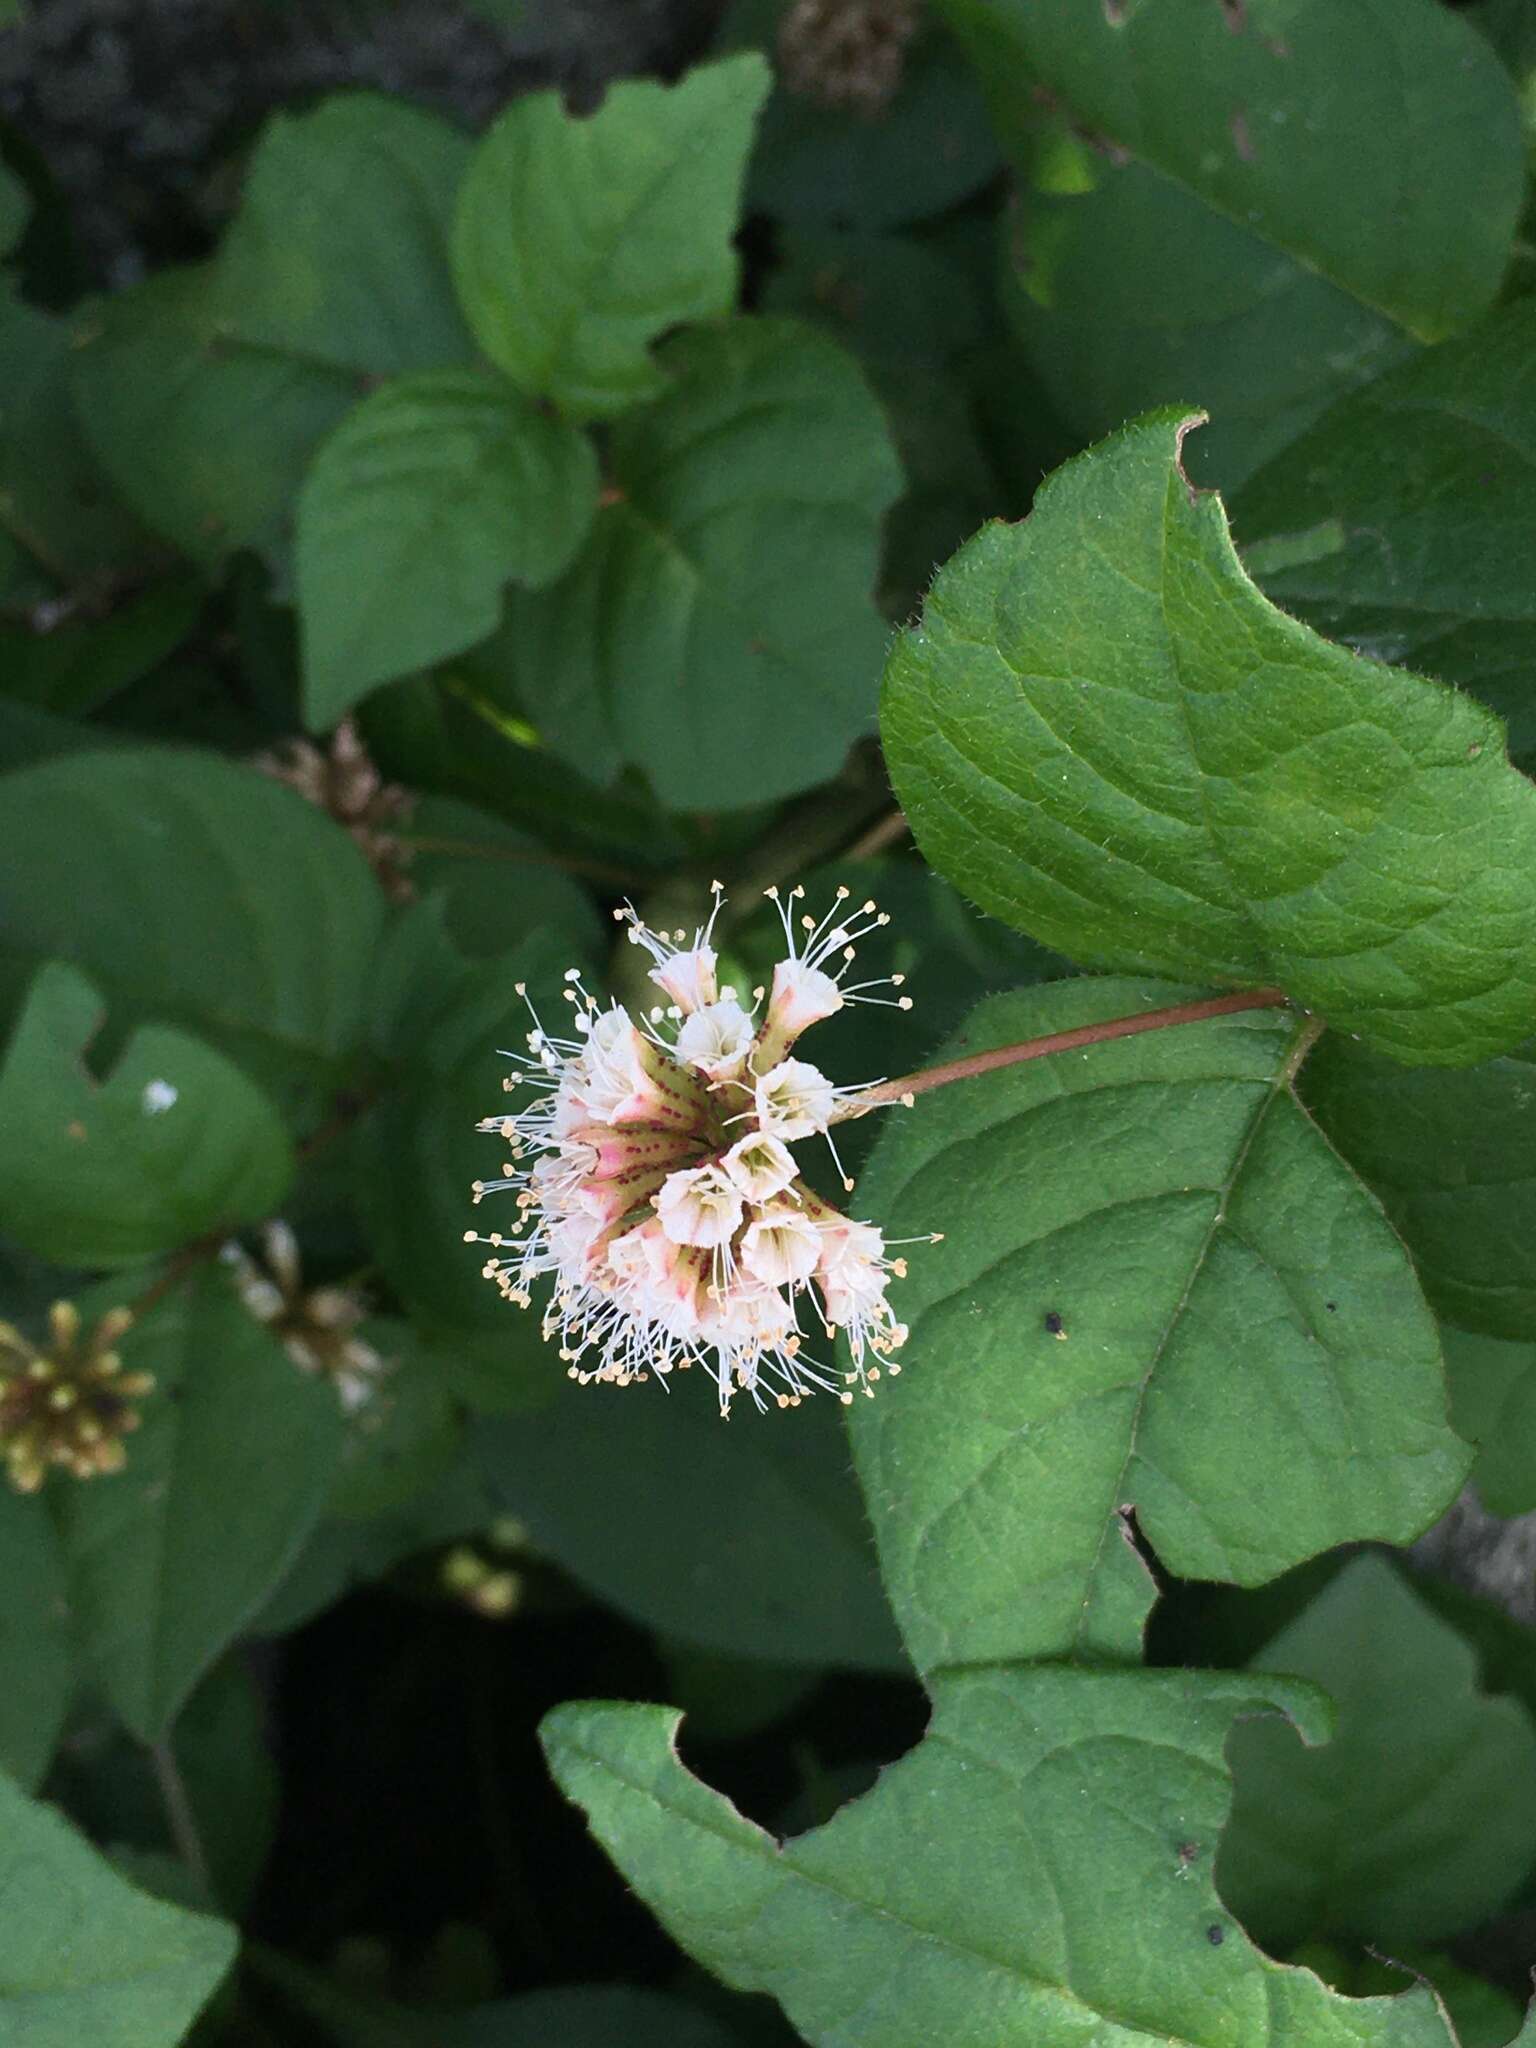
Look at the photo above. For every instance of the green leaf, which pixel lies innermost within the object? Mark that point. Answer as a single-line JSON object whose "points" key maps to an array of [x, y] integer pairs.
{"points": [[206, 439], [173, 1143], [1129, 293], [1397, 524], [110, 1785], [1481, 2016], [426, 501], [1036, 1872], [76, 665], [664, 1469], [195, 892], [1104, 734], [918, 156], [574, 2016], [579, 241], [339, 251], [417, 1154], [403, 1439], [169, 1558], [86, 1957], [1452, 1157], [1493, 1404], [1244, 1356], [36, 1653], [54, 501], [497, 884], [1417, 1819], [1247, 110], [718, 630]]}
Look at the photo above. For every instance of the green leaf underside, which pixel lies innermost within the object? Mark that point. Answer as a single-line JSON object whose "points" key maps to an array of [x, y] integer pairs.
{"points": [[1399, 523], [173, 1142], [1415, 1821], [1266, 113], [427, 500], [1452, 1157], [663, 1467], [1245, 1358], [579, 241], [191, 891], [1493, 1404], [1132, 293], [205, 438], [225, 1479], [719, 629], [1105, 735], [339, 251], [85, 1957], [1066, 1899], [36, 1652]]}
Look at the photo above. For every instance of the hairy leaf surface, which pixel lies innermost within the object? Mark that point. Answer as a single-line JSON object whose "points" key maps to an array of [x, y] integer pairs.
{"points": [[1036, 1874], [1104, 734], [1244, 1355]]}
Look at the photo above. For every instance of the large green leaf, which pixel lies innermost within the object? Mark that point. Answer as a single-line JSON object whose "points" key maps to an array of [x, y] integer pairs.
{"points": [[35, 1649], [579, 241], [86, 1957], [719, 631], [195, 892], [1127, 292], [711, 1511], [426, 501], [1399, 522], [169, 1558], [1036, 1874], [173, 1142], [1418, 1819], [1493, 1404], [339, 251], [1453, 1158], [1378, 147], [205, 438], [1244, 1356], [1104, 734]]}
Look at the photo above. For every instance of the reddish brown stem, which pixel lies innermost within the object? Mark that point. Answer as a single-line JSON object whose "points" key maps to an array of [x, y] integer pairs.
{"points": [[1064, 1041]]}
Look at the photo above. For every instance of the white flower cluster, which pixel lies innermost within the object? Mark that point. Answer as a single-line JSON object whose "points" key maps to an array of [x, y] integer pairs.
{"points": [[653, 1175]]}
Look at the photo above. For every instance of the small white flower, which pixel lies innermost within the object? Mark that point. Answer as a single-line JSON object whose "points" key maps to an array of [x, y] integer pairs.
{"points": [[716, 1040], [653, 1181], [699, 1206], [781, 1245], [688, 978], [760, 1166], [794, 1099]]}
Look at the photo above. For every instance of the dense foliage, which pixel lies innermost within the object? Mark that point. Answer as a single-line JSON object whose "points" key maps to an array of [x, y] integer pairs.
{"points": [[481, 533]]}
